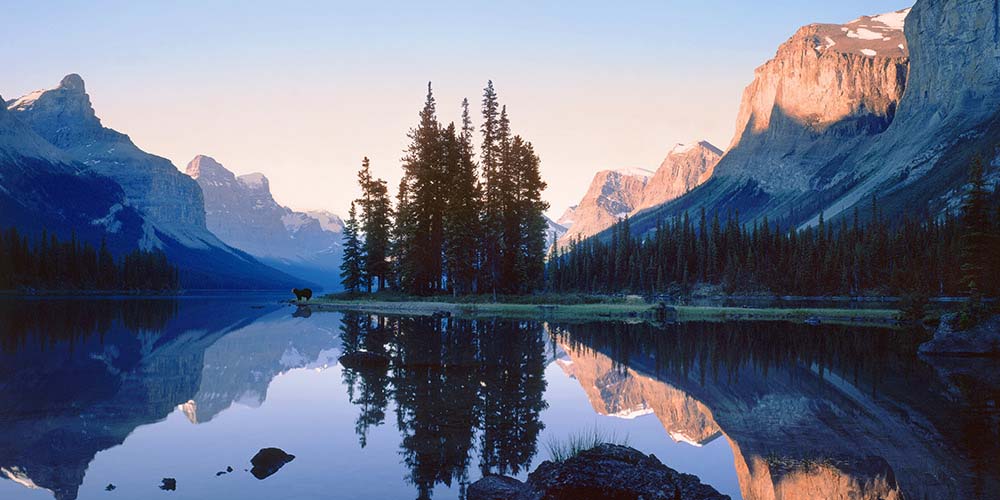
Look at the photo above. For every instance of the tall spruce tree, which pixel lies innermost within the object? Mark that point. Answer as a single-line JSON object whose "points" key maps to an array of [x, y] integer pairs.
{"points": [[376, 224], [462, 212], [352, 265], [426, 184], [492, 224]]}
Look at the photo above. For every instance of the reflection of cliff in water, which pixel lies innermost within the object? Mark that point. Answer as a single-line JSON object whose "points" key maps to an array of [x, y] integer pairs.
{"points": [[77, 377], [451, 380], [809, 412]]}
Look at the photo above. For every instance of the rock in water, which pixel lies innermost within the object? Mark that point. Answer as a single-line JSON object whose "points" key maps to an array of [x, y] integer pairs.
{"points": [[607, 471], [267, 461], [168, 484], [497, 488], [980, 340]]}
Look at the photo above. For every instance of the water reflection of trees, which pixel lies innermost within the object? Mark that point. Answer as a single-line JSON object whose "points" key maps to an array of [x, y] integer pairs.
{"points": [[723, 350], [50, 321], [450, 380]]}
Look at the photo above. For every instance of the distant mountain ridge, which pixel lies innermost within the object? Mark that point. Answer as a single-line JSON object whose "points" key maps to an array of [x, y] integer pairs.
{"points": [[170, 204], [615, 194], [244, 214]]}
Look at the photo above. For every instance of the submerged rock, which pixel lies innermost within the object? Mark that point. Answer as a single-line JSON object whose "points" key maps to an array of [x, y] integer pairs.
{"points": [[497, 488], [606, 471], [267, 461], [980, 340], [364, 359], [168, 484]]}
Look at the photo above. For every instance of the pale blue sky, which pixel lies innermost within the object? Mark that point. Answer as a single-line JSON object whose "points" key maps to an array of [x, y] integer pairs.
{"points": [[302, 90]]}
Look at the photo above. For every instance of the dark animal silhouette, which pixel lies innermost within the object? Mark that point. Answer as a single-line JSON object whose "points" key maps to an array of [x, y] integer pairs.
{"points": [[306, 293], [302, 311]]}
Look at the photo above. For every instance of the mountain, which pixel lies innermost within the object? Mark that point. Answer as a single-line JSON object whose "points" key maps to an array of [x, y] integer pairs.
{"points": [[169, 202], [553, 231], [686, 167], [613, 194], [42, 187], [242, 212], [568, 218], [893, 106]]}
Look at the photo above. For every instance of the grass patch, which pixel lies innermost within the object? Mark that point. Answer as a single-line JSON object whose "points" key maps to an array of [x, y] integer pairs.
{"points": [[561, 450], [573, 308]]}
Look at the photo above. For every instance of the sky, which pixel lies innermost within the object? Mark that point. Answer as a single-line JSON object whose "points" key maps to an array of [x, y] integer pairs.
{"points": [[302, 91]]}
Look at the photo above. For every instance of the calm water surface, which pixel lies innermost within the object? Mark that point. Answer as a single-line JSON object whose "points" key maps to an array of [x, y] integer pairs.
{"points": [[127, 392]]}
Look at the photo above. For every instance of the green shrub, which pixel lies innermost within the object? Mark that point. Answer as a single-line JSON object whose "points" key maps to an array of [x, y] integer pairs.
{"points": [[577, 442]]}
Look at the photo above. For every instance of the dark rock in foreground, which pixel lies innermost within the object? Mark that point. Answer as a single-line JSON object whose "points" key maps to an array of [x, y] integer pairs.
{"points": [[980, 340], [364, 359], [267, 461], [607, 471]]}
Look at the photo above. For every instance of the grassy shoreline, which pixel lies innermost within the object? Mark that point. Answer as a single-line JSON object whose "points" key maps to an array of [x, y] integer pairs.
{"points": [[621, 311]]}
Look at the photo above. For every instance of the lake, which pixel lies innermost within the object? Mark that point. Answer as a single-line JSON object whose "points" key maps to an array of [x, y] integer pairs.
{"points": [[127, 392]]}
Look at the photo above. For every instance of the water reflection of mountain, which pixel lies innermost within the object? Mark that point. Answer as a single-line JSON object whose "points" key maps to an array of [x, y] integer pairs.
{"points": [[451, 380], [77, 377], [239, 367], [809, 413]]}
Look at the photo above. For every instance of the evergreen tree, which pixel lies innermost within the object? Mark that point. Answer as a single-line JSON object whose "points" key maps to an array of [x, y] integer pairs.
{"points": [[975, 241], [490, 155], [424, 175], [376, 224], [462, 213], [352, 266]]}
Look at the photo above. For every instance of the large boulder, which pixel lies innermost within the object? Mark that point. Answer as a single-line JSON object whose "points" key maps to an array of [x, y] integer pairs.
{"points": [[980, 340], [267, 461], [606, 471]]}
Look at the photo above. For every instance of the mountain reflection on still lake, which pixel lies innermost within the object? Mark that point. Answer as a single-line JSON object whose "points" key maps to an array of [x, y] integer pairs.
{"points": [[128, 392]]}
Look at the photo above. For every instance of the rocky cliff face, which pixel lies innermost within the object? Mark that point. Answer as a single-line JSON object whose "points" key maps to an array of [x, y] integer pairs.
{"points": [[244, 214], [615, 194], [65, 117], [847, 112], [170, 203], [612, 194], [42, 187], [686, 167], [828, 88]]}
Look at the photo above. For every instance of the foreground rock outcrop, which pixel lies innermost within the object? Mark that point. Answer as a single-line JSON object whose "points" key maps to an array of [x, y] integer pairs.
{"points": [[980, 340], [607, 471]]}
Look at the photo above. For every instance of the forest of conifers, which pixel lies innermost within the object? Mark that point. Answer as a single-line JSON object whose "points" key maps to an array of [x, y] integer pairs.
{"points": [[51, 264], [929, 257]]}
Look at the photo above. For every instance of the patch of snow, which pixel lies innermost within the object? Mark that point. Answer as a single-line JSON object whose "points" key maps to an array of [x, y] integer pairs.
{"points": [[632, 413], [634, 172], [25, 101], [110, 222], [18, 476], [869, 52], [893, 20], [865, 34], [680, 437], [830, 42]]}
